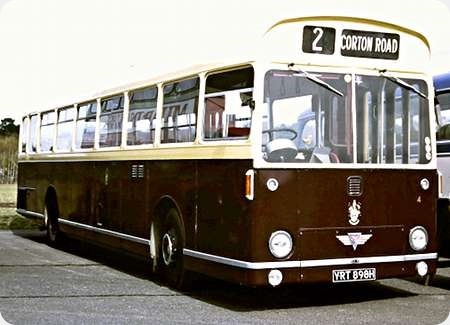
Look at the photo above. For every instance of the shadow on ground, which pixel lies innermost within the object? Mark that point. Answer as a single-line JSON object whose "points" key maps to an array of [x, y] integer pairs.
{"points": [[232, 296]]}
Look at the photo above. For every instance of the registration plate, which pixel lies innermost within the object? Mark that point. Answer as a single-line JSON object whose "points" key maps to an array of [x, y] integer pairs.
{"points": [[351, 275]]}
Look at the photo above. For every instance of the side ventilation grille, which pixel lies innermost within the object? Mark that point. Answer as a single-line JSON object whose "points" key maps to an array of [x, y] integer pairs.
{"points": [[354, 186], [137, 171]]}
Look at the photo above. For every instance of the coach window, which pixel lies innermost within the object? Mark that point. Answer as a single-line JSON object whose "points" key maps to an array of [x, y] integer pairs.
{"points": [[65, 129], [142, 116], [85, 128], [111, 122], [24, 134], [180, 111], [48, 120], [228, 105], [32, 143]]}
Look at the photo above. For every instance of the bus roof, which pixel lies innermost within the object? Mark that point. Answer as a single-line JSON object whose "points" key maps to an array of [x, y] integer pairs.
{"points": [[235, 35], [429, 18], [425, 18]]}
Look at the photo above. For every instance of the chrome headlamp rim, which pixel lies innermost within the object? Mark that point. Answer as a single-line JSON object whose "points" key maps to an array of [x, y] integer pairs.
{"points": [[412, 244], [272, 249]]}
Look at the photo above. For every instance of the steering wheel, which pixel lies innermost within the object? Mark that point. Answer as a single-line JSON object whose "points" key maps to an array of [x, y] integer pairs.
{"points": [[271, 131]]}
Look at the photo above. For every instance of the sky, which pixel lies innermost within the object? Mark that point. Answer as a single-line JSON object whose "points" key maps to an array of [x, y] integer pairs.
{"points": [[56, 50]]}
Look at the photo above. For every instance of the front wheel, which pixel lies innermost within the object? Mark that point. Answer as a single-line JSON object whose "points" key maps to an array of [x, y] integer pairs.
{"points": [[170, 249], [427, 279]]}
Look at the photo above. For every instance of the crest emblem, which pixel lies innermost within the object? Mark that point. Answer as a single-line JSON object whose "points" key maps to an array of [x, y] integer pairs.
{"points": [[354, 239], [354, 211]]}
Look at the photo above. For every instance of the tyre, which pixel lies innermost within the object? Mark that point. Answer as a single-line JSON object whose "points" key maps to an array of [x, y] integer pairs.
{"points": [[51, 223], [170, 266]]}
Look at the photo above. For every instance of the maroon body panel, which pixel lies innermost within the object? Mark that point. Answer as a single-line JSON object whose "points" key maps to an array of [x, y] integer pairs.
{"points": [[208, 194], [312, 205]]}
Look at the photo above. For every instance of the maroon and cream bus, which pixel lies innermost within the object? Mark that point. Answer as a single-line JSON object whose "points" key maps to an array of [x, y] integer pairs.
{"points": [[312, 162]]}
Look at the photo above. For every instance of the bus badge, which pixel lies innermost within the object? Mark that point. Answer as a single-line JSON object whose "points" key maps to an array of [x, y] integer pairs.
{"points": [[354, 211], [354, 239]]}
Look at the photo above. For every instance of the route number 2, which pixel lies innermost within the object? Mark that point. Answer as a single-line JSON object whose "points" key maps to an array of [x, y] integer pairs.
{"points": [[318, 32], [318, 39]]}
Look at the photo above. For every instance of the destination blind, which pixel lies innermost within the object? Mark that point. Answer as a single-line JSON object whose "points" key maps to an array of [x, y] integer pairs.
{"points": [[374, 45], [352, 43]]}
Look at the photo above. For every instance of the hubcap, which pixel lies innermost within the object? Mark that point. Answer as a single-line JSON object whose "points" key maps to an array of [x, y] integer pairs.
{"points": [[168, 248]]}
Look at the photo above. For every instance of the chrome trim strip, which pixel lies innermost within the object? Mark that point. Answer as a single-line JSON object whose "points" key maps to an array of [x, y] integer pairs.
{"points": [[368, 260], [105, 231], [239, 263], [30, 214], [26, 188], [308, 263], [416, 257], [250, 265]]}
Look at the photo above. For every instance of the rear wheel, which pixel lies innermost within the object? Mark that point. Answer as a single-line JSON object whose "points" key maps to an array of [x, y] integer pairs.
{"points": [[170, 249], [51, 223]]}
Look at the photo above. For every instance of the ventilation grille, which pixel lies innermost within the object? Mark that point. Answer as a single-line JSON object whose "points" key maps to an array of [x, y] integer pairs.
{"points": [[354, 186], [137, 171]]}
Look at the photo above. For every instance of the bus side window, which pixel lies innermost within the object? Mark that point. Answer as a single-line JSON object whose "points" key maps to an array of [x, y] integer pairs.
{"points": [[32, 143], [142, 116], [24, 134], [65, 128], [228, 104], [48, 120], [443, 110], [179, 113], [85, 126], [111, 122]]}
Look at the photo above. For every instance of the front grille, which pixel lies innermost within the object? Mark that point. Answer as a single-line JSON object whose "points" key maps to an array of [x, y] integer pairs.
{"points": [[354, 186]]}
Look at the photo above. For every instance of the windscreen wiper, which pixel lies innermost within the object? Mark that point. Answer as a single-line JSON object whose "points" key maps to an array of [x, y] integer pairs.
{"points": [[317, 81], [402, 83]]}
